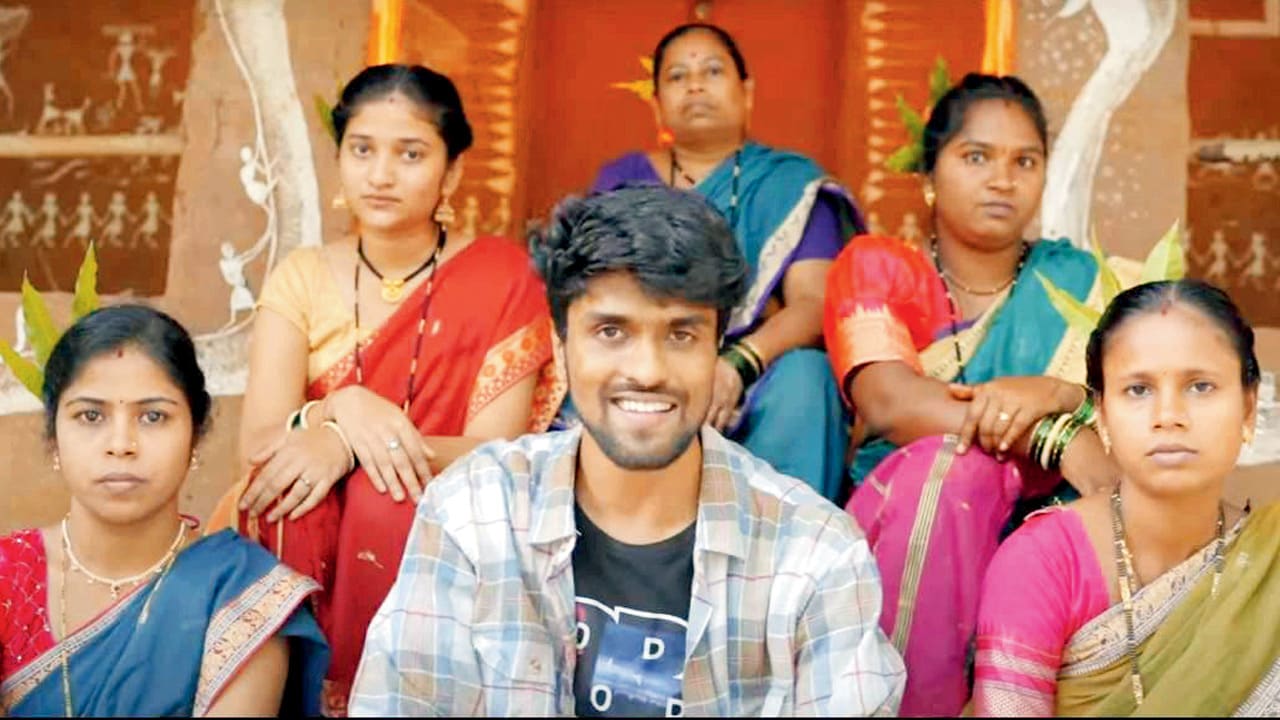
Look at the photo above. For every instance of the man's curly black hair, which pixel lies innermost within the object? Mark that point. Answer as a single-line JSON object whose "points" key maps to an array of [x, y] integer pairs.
{"points": [[672, 241]]}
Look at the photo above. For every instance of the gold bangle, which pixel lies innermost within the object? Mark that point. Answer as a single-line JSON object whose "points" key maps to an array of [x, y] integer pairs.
{"points": [[351, 455]]}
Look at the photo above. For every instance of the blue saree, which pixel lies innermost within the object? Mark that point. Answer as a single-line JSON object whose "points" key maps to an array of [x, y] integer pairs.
{"points": [[787, 211], [172, 646]]}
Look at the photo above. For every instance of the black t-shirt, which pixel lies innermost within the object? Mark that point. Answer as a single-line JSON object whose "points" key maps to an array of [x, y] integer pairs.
{"points": [[632, 611]]}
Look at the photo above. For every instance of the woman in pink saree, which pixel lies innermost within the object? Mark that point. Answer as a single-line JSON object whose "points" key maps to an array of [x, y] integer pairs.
{"points": [[1158, 598], [952, 359]]}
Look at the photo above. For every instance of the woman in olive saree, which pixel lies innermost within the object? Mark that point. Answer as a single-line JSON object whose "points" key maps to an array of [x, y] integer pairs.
{"points": [[1156, 600]]}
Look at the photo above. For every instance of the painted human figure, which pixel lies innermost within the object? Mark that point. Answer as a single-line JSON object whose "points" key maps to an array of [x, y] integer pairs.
{"points": [[252, 174], [150, 225], [1255, 265], [1216, 259], [158, 59], [117, 215], [232, 267], [120, 64], [85, 219], [49, 216], [17, 218]]}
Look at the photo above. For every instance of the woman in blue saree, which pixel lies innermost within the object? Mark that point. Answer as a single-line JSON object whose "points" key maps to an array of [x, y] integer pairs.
{"points": [[773, 389], [122, 609]]}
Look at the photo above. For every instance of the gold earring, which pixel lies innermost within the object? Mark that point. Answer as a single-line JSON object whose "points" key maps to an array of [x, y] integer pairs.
{"points": [[57, 464], [1105, 438], [339, 202], [1248, 435], [444, 214], [930, 196], [195, 461]]}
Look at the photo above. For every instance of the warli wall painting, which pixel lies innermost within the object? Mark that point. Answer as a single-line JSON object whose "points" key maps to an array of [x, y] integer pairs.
{"points": [[91, 98], [1233, 190]]}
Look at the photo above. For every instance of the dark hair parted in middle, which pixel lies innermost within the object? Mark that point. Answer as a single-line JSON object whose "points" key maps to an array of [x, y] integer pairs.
{"points": [[673, 242], [157, 335], [720, 34], [1152, 297], [946, 119], [433, 93]]}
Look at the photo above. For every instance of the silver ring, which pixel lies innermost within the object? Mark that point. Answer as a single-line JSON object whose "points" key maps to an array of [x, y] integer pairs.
{"points": [[393, 444], [305, 482], [1004, 417]]}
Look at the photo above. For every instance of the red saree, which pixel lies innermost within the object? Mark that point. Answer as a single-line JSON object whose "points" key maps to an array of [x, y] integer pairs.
{"points": [[487, 328]]}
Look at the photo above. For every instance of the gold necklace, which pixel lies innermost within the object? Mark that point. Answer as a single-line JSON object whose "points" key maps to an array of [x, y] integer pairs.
{"points": [[393, 288], [116, 583], [67, 559], [1127, 576]]}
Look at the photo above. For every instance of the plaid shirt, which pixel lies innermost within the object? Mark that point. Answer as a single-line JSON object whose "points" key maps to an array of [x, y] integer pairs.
{"points": [[783, 617]]}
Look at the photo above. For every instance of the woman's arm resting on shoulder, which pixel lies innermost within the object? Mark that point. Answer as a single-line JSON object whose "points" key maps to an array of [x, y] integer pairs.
{"points": [[256, 691]]}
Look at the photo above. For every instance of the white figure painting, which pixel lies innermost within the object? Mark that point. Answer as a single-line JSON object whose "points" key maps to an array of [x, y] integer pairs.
{"points": [[46, 236], [60, 121], [13, 20], [149, 228], [232, 267], [255, 177], [16, 221], [83, 219], [1255, 265], [1217, 259], [117, 216], [157, 57], [1136, 31], [120, 67]]}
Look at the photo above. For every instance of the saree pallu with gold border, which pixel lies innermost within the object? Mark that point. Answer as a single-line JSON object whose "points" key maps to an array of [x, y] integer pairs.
{"points": [[172, 646], [1199, 654], [934, 518], [487, 328]]}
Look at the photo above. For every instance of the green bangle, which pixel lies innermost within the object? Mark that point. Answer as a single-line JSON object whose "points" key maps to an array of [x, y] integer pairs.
{"points": [[738, 360], [1064, 439], [1037, 437], [1086, 413]]}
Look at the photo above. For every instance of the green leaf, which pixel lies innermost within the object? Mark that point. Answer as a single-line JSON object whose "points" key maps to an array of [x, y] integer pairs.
{"points": [[1077, 314], [906, 159], [31, 376], [42, 330], [325, 111], [939, 81], [911, 119], [1165, 261], [1110, 283], [86, 298]]}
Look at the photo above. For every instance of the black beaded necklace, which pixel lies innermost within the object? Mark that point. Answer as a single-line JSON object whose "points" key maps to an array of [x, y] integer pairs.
{"points": [[733, 196], [1011, 283], [432, 263], [393, 289]]}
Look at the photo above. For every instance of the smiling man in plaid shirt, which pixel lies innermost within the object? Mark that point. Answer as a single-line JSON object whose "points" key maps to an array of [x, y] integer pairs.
{"points": [[642, 564]]}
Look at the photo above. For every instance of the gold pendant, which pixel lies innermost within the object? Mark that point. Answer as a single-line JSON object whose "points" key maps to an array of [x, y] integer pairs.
{"points": [[392, 290]]}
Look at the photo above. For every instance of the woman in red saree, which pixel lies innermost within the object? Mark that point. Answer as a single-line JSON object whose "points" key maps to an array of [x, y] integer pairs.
{"points": [[378, 360]]}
